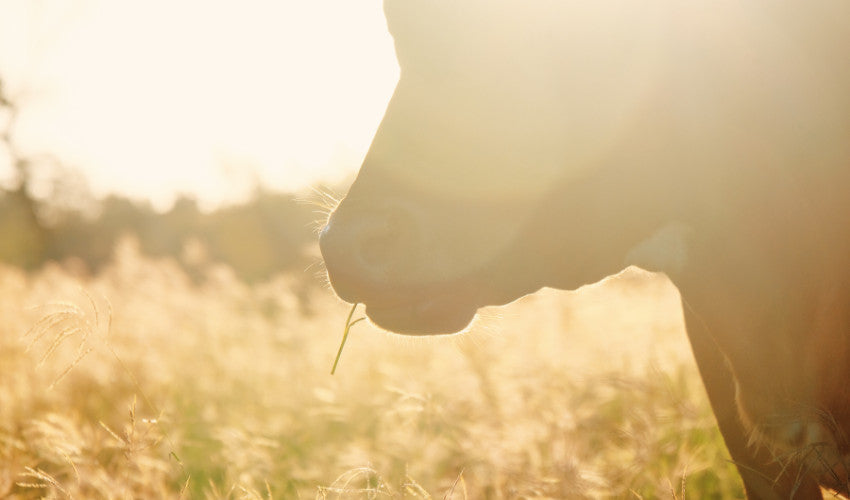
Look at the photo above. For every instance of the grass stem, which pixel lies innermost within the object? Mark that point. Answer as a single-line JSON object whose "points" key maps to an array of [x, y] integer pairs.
{"points": [[348, 325]]}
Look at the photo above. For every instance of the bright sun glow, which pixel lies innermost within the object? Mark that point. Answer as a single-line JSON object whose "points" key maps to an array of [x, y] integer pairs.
{"points": [[157, 98]]}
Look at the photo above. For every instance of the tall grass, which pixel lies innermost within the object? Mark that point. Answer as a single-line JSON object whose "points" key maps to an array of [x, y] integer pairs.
{"points": [[136, 383]]}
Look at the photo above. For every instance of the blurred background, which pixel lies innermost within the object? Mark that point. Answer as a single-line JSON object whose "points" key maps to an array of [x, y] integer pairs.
{"points": [[165, 330], [175, 120]]}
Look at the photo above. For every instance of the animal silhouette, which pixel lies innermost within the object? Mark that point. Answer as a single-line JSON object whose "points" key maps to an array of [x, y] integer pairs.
{"points": [[555, 142]]}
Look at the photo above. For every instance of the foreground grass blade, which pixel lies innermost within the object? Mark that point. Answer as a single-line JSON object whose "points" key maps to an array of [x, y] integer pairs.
{"points": [[348, 325]]}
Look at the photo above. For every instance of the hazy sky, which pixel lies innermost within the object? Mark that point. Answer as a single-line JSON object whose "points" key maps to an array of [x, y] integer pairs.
{"points": [[162, 97]]}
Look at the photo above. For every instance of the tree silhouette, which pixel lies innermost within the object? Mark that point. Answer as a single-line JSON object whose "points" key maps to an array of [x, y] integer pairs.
{"points": [[24, 237], [269, 234]]}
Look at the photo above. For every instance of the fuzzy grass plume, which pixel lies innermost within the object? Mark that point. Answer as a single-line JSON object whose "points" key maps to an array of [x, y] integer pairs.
{"points": [[232, 379]]}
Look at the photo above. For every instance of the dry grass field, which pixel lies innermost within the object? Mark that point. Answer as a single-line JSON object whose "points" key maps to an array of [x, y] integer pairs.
{"points": [[136, 383]]}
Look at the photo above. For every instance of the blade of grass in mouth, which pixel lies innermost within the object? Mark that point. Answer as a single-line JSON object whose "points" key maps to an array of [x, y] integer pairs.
{"points": [[348, 325]]}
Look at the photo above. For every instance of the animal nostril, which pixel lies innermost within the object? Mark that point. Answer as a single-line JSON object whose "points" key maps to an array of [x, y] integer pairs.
{"points": [[363, 246]]}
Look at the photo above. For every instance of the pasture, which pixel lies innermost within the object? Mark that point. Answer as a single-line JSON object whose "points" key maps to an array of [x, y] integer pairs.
{"points": [[137, 383]]}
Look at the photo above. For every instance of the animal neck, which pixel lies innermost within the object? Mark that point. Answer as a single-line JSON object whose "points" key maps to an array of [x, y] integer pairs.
{"points": [[597, 226]]}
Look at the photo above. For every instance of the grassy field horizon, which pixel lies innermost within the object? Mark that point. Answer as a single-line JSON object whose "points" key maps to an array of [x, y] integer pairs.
{"points": [[139, 383]]}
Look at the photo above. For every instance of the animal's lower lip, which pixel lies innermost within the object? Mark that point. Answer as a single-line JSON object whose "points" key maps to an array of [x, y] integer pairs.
{"points": [[423, 317]]}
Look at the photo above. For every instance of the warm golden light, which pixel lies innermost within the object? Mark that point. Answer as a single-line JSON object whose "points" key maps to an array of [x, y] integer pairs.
{"points": [[595, 249], [157, 98]]}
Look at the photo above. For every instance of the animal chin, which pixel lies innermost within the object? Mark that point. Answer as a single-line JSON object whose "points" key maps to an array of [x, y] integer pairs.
{"points": [[436, 316]]}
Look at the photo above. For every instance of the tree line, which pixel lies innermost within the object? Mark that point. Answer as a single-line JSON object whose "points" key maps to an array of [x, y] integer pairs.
{"points": [[271, 233]]}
